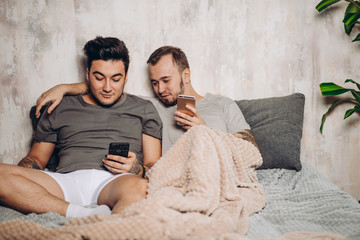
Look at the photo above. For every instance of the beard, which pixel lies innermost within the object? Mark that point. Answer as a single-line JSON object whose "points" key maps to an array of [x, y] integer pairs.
{"points": [[109, 105], [93, 95], [174, 102]]}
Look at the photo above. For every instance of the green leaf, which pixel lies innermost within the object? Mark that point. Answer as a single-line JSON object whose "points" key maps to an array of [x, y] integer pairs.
{"points": [[351, 8], [337, 102], [351, 111], [352, 81], [328, 111], [357, 3], [331, 89], [356, 95], [351, 18], [325, 3], [348, 113], [322, 122], [348, 28], [357, 38]]}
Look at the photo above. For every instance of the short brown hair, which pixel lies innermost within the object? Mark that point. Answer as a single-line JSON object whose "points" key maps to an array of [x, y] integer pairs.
{"points": [[178, 56], [108, 48]]}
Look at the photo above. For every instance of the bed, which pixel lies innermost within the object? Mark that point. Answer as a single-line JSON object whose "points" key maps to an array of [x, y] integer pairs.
{"points": [[300, 202]]}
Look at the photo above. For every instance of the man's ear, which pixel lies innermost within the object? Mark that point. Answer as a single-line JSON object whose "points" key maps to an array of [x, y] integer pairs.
{"points": [[186, 75], [126, 77], [87, 75]]}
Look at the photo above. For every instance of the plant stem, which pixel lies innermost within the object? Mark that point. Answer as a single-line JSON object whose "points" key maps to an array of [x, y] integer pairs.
{"points": [[352, 1]]}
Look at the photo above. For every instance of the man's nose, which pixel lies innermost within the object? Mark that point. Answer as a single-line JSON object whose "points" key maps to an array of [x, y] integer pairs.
{"points": [[107, 86], [161, 87]]}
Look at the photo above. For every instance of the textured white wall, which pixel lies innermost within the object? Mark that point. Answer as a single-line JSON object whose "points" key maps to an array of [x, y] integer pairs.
{"points": [[238, 48]]}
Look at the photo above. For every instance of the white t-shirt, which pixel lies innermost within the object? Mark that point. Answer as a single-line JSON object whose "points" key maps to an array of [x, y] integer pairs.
{"points": [[218, 112]]}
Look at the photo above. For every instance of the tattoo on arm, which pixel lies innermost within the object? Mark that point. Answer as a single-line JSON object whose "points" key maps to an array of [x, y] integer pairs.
{"points": [[29, 162], [247, 135], [86, 91], [136, 168]]}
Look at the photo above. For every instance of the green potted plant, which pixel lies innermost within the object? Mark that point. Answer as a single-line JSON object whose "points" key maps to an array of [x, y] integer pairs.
{"points": [[351, 18]]}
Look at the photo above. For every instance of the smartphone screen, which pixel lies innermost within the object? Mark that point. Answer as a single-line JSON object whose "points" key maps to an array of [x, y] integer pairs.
{"points": [[119, 148], [182, 101]]}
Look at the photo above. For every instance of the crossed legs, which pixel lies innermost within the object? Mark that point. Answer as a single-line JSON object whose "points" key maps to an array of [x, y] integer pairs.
{"points": [[29, 190]]}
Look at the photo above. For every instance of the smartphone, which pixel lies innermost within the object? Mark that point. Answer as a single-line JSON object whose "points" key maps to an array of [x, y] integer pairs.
{"points": [[119, 148], [182, 101]]}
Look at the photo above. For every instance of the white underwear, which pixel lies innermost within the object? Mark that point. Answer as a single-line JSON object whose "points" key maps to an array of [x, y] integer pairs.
{"points": [[83, 187]]}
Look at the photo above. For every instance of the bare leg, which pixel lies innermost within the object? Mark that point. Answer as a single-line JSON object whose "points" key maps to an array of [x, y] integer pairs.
{"points": [[122, 192], [29, 190]]}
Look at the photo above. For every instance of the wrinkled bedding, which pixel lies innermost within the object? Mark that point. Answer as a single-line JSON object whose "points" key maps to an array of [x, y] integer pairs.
{"points": [[298, 203], [303, 201], [204, 187]]}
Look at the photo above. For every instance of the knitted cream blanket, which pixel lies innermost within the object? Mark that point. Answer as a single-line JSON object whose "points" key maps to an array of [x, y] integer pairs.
{"points": [[205, 187]]}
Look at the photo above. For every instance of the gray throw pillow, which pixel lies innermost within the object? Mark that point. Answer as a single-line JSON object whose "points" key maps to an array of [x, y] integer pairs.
{"points": [[276, 124]]}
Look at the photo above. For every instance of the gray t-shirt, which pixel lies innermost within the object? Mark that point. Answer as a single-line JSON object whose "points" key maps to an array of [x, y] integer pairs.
{"points": [[218, 112], [82, 131]]}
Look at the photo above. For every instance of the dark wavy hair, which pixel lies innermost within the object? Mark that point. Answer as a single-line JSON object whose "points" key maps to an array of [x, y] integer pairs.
{"points": [[108, 48], [178, 56]]}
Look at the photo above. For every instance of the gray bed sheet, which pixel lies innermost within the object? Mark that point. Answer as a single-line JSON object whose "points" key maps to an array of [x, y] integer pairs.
{"points": [[301, 201]]}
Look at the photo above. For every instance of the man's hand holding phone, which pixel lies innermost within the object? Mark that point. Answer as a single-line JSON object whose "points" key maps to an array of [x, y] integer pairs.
{"points": [[119, 160], [186, 115]]}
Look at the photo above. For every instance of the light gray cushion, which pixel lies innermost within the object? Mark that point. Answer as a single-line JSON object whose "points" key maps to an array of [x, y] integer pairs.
{"points": [[277, 124]]}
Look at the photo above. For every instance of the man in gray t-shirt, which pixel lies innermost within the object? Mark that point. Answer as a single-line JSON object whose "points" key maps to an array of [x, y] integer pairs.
{"points": [[82, 132], [81, 128], [218, 112], [169, 73]]}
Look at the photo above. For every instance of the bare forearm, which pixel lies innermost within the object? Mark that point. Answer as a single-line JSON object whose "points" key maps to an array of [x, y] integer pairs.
{"points": [[247, 135], [30, 162], [75, 88]]}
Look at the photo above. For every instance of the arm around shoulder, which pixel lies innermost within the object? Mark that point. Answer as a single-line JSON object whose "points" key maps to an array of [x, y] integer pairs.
{"points": [[55, 95]]}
